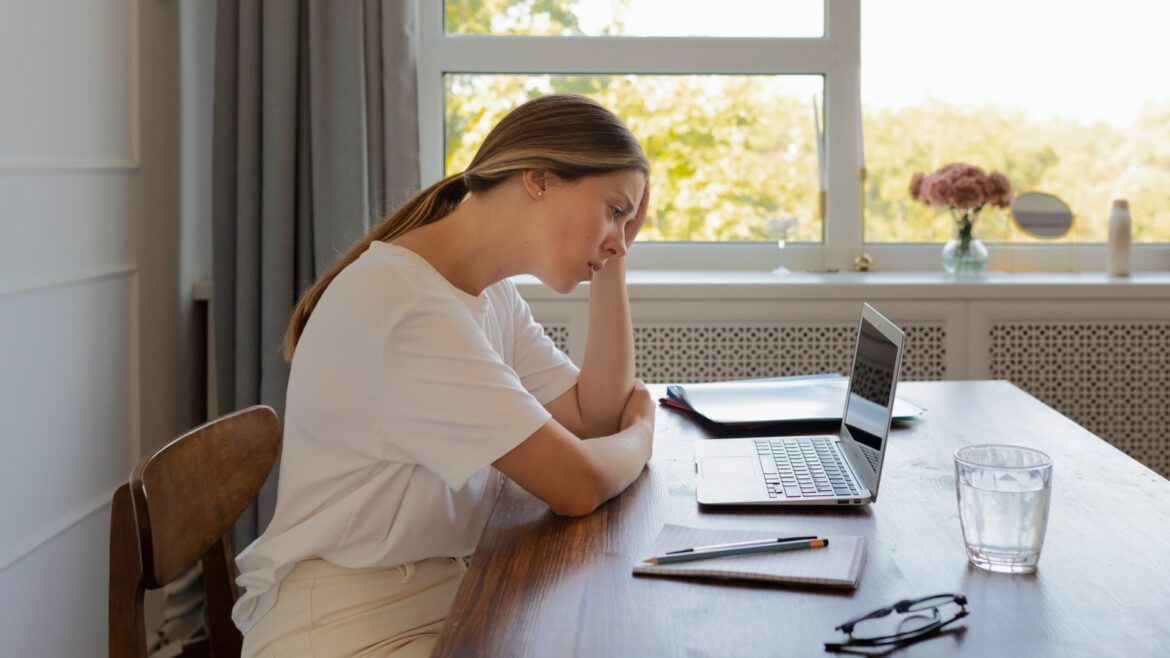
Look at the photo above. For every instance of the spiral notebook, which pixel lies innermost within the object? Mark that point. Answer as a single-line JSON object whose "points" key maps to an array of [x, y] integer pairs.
{"points": [[838, 565]]}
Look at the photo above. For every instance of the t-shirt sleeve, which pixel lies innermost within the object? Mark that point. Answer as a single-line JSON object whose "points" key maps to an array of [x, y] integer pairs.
{"points": [[450, 402], [543, 368]]}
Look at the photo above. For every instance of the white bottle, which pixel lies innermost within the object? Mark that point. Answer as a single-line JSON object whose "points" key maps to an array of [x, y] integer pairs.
{"points": [[1120, 237]]}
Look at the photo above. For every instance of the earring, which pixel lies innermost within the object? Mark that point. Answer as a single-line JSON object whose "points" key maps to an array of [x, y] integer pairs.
{"points": [[540, 193]]}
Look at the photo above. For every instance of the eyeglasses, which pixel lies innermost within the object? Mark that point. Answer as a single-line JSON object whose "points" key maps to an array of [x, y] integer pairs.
{"points": [[923, 619]]}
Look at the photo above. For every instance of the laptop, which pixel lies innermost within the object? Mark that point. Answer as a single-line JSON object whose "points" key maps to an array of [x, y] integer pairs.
{"points": [[815, 470]]}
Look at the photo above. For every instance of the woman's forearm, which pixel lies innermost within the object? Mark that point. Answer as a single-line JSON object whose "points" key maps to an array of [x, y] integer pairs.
{"points": [[619, 460], [607, 369]]}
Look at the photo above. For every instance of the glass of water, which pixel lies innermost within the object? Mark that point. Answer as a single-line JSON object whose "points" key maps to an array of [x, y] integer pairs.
{"points": [[1003, 496]]}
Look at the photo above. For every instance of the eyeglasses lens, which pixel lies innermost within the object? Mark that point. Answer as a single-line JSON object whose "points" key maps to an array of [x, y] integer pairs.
{"points": [[895, 624], [919, 616], [930, 603]]}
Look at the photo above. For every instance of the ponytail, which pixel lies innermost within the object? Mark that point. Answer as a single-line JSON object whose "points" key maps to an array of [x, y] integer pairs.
{"points": [[432, 204]]}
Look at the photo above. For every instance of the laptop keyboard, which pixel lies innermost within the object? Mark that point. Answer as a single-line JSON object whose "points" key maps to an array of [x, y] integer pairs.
{"points": [[804, 468]]}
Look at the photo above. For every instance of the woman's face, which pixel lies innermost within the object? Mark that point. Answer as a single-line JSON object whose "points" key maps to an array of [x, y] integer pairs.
{"points": [[585, 224]]}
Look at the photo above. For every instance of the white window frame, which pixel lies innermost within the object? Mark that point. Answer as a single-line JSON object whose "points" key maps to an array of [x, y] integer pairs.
{"points": [[836, 55]]}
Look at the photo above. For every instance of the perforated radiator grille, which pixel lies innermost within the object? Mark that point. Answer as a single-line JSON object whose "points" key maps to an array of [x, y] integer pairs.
{"points": [[1112, 378], [700, 353], [559, 334]]}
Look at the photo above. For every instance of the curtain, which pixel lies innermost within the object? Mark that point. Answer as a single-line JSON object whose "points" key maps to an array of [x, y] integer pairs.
{"points": [[315, 136]]}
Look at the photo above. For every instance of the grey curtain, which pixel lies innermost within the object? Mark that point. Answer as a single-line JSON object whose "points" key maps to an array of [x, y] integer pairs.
{"points": [[315, 135]]}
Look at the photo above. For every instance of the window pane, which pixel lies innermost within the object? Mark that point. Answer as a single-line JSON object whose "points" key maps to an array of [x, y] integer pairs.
{"points": [[637, 18], [726, 152], [1061, 97]]}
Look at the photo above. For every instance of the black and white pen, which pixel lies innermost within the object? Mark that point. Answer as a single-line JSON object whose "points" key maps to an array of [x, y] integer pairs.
{"points": [[737, 544], [743, 548]]}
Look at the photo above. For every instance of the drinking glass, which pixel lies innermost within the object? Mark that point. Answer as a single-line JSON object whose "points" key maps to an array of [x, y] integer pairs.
{"points": [[779, 228], [1003, 494]]}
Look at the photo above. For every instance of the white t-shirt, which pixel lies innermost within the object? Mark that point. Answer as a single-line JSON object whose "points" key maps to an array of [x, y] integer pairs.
{"points": [[403, 391]]}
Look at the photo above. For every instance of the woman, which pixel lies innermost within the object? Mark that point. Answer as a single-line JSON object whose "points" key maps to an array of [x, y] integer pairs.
{"points": [[419, 380]]}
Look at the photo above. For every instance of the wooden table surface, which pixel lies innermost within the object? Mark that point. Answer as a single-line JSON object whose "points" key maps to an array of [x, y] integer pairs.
{"points": [[542, 585]]}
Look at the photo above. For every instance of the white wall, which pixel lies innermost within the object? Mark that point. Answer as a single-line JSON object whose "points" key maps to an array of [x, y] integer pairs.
{"points": [[104, 225]]}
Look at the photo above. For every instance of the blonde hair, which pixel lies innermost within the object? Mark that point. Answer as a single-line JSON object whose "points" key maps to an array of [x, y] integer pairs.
{"points": [[563, 134]]}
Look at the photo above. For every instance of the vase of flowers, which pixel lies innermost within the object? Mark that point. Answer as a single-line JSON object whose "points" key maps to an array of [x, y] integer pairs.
{"points": [[965, 190]]}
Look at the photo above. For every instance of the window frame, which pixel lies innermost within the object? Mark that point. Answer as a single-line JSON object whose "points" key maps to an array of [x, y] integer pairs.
{"points": [[836, 55]]}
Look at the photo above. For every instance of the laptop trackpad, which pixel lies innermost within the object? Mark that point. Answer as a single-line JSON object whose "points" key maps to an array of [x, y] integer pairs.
{"points": [[728, 468]]}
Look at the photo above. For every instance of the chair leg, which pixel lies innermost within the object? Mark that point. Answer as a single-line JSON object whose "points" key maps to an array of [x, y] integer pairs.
{"points": [[127, 622], [219, 584]]}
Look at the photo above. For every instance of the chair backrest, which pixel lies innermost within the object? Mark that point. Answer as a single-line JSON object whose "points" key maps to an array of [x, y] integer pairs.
{"points": [[178, 508]]}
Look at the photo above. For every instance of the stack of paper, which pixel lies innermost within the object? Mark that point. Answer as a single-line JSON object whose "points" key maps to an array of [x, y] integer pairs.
{"points": [[808, 399], [837, 565]]}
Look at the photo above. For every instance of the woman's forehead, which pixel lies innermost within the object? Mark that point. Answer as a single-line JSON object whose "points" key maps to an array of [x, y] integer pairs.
{"points": [[630, 182]]}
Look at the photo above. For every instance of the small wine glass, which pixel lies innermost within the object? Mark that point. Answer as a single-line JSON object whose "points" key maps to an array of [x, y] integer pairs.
{"points": [[779, 228]]}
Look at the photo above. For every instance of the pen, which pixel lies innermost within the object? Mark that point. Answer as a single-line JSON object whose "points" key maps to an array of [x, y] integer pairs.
{"points": [[774, 547], [736, 544]]}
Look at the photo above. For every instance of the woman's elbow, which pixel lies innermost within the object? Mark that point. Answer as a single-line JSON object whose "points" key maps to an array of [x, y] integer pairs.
{"points": [[583, 497], [575, 505]]}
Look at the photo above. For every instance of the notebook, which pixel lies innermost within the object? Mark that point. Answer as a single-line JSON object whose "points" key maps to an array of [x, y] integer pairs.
{"points": [[838, 565], [810, 398]]}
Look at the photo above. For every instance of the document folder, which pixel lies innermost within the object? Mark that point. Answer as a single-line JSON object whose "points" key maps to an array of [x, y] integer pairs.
{"points": [[751, 402]]}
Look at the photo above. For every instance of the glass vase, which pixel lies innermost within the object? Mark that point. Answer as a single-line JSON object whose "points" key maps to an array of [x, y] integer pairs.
{"points": [[964, 258]]}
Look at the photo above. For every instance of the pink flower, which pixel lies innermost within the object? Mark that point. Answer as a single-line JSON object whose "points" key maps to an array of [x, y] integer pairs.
{"points": [[936, 190], [955, 169], [1001, 190], [916, 186], [966, 192], [961, 186]]}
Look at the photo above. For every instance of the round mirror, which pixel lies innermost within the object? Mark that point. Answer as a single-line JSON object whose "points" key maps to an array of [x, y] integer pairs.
{"points": [[1042, 215]]}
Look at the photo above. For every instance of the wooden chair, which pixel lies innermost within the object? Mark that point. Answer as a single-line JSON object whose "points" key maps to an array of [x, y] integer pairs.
{"points": [[177, 508]]}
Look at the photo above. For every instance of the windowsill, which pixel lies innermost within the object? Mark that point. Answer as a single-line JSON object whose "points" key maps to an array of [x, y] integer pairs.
{"points": [[886, 257], [746, 285]]}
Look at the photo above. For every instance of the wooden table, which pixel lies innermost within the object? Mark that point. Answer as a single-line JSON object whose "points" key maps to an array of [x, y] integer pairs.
{"points": [[541, 585]]}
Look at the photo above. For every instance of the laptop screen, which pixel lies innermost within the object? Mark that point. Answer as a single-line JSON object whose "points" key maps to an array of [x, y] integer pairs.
{"points": [[872, 385]]}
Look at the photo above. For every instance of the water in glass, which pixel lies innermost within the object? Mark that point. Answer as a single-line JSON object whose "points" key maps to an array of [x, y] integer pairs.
{"points": [[1003, 505]]}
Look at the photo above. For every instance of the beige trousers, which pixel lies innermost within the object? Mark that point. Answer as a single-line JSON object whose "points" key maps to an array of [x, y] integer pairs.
{"points": [[323, 610]]}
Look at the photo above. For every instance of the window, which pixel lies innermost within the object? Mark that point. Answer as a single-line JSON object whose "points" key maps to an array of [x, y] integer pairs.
{"points": [[728, 151], [726, 108], [1061, 97], [726, 104], [635, 18]]}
